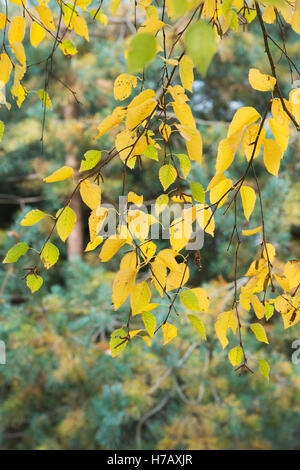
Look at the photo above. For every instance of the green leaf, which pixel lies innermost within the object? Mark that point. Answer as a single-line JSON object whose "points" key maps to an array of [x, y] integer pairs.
{"points": [[269, 311], [198, 192], [167, 175], [264, 368], [180, 7], [32, 217], [15, 252], [91, 158], [201, 45], [115, 342], [198, 325], [49, 255], [149, 322], [151, 153], [2, 127], [236, 356], [142, 49], [234, 23], [185, 164], [45, 98], [161, 203], [68, 47], [249, 15], [34, 282]]}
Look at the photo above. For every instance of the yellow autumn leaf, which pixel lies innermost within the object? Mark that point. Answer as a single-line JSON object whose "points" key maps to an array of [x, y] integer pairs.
{"points": [[169, 332], [243, 117], [249, 139], [37, 34], [139, 298], [5, 68], [272, 156], [281, 134], [62, 174], [178, 278], [159, 275], [225, 156], [90, 194], [32, 217], [235, 356], [49, 255], [225, 321], [66, 220], [258, 307], [80, 27], [219, 193], [110, 247], [271, 252], [165, 131], [92, 245], [248, 199], [19, 51], [126, 142], [123, 86], [260, 81], [186, 72], [135, 199], [259, 332], [46, 16], [251, 231], [205, 218], [136, 114], [123, 285], [16, 30], [111, 121]]}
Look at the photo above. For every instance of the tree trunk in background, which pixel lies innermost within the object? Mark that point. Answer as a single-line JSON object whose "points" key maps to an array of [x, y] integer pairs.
{"points": [[75, 240]]}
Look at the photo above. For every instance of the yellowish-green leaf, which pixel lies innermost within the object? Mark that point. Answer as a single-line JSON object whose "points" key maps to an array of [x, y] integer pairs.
{"points": [[259, 332], [68, 47], [185, 164], [44, 97], [117, 342], [49, 255], [236, 356], [195, 299], [149, 322], [32, 217], [198, 192], [264, 368], [66, 220], [141, 51], [15, 252], [167, 175], [91, 158], [197, 324], [34, 282], [201, 44], [161, 203], [139, 298]]}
